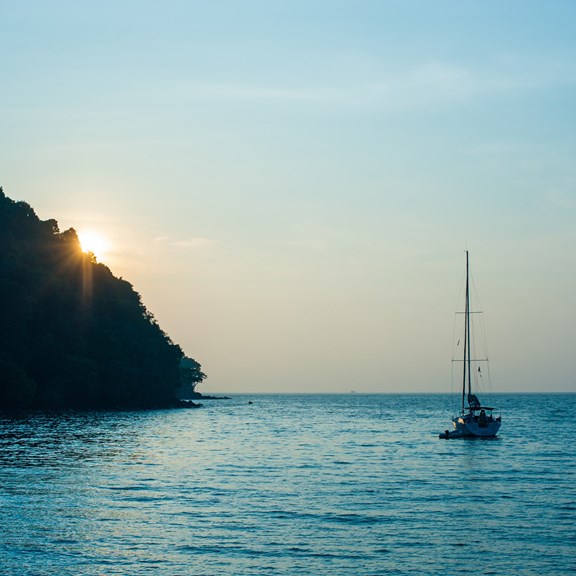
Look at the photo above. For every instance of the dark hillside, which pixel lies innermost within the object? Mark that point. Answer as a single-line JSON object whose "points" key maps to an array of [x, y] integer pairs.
{"points": [[71, 333]]}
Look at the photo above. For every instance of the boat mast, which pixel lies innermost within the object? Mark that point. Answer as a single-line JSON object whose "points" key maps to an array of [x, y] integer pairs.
{"points": [[466, 362]]}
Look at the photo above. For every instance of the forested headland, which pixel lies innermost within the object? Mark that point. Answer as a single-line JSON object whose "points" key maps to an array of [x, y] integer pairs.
{"points": [[72, 335]]}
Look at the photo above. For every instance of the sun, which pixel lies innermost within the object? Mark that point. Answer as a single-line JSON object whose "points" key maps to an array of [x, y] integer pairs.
{"points": [[94, 242]]}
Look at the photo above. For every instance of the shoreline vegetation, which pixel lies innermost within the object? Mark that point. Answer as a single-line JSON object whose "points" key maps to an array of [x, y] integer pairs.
{"points": [[72, 335]]}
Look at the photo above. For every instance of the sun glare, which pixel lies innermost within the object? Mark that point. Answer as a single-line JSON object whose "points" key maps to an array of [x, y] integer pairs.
{"points": [[95, 243]]}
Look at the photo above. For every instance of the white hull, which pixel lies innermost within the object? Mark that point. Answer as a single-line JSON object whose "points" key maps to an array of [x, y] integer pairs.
{"points": [[469, 425]]}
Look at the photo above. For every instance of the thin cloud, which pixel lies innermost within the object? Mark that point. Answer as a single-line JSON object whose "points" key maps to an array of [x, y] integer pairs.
{"points": [[185, 244], [428, 82]]}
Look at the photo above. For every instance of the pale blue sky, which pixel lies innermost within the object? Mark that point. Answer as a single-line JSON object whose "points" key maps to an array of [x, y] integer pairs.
{"points": [[291, 185]]}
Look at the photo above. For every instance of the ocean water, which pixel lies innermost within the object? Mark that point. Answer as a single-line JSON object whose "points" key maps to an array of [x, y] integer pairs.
{"points": [[290, 484]]}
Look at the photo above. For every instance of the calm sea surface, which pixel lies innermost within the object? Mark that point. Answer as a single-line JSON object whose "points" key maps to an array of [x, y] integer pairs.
{"points": [[291, 484]]}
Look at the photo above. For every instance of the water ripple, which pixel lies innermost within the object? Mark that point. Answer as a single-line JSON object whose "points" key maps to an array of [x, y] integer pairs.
{"points": [[296, 484]]}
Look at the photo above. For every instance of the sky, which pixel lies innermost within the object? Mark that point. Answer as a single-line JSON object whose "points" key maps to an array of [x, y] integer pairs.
{"points": [[291, 184]]}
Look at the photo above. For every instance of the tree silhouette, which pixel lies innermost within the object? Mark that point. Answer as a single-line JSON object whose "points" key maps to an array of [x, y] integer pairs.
{"points": [[71, 333]]}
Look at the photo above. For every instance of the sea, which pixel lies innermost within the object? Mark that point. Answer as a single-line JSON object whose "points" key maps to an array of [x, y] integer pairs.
{"points": [[290, 484]]}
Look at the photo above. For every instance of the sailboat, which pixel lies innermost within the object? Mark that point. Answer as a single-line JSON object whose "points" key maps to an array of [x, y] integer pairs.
{"points": [[475, 419]]}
